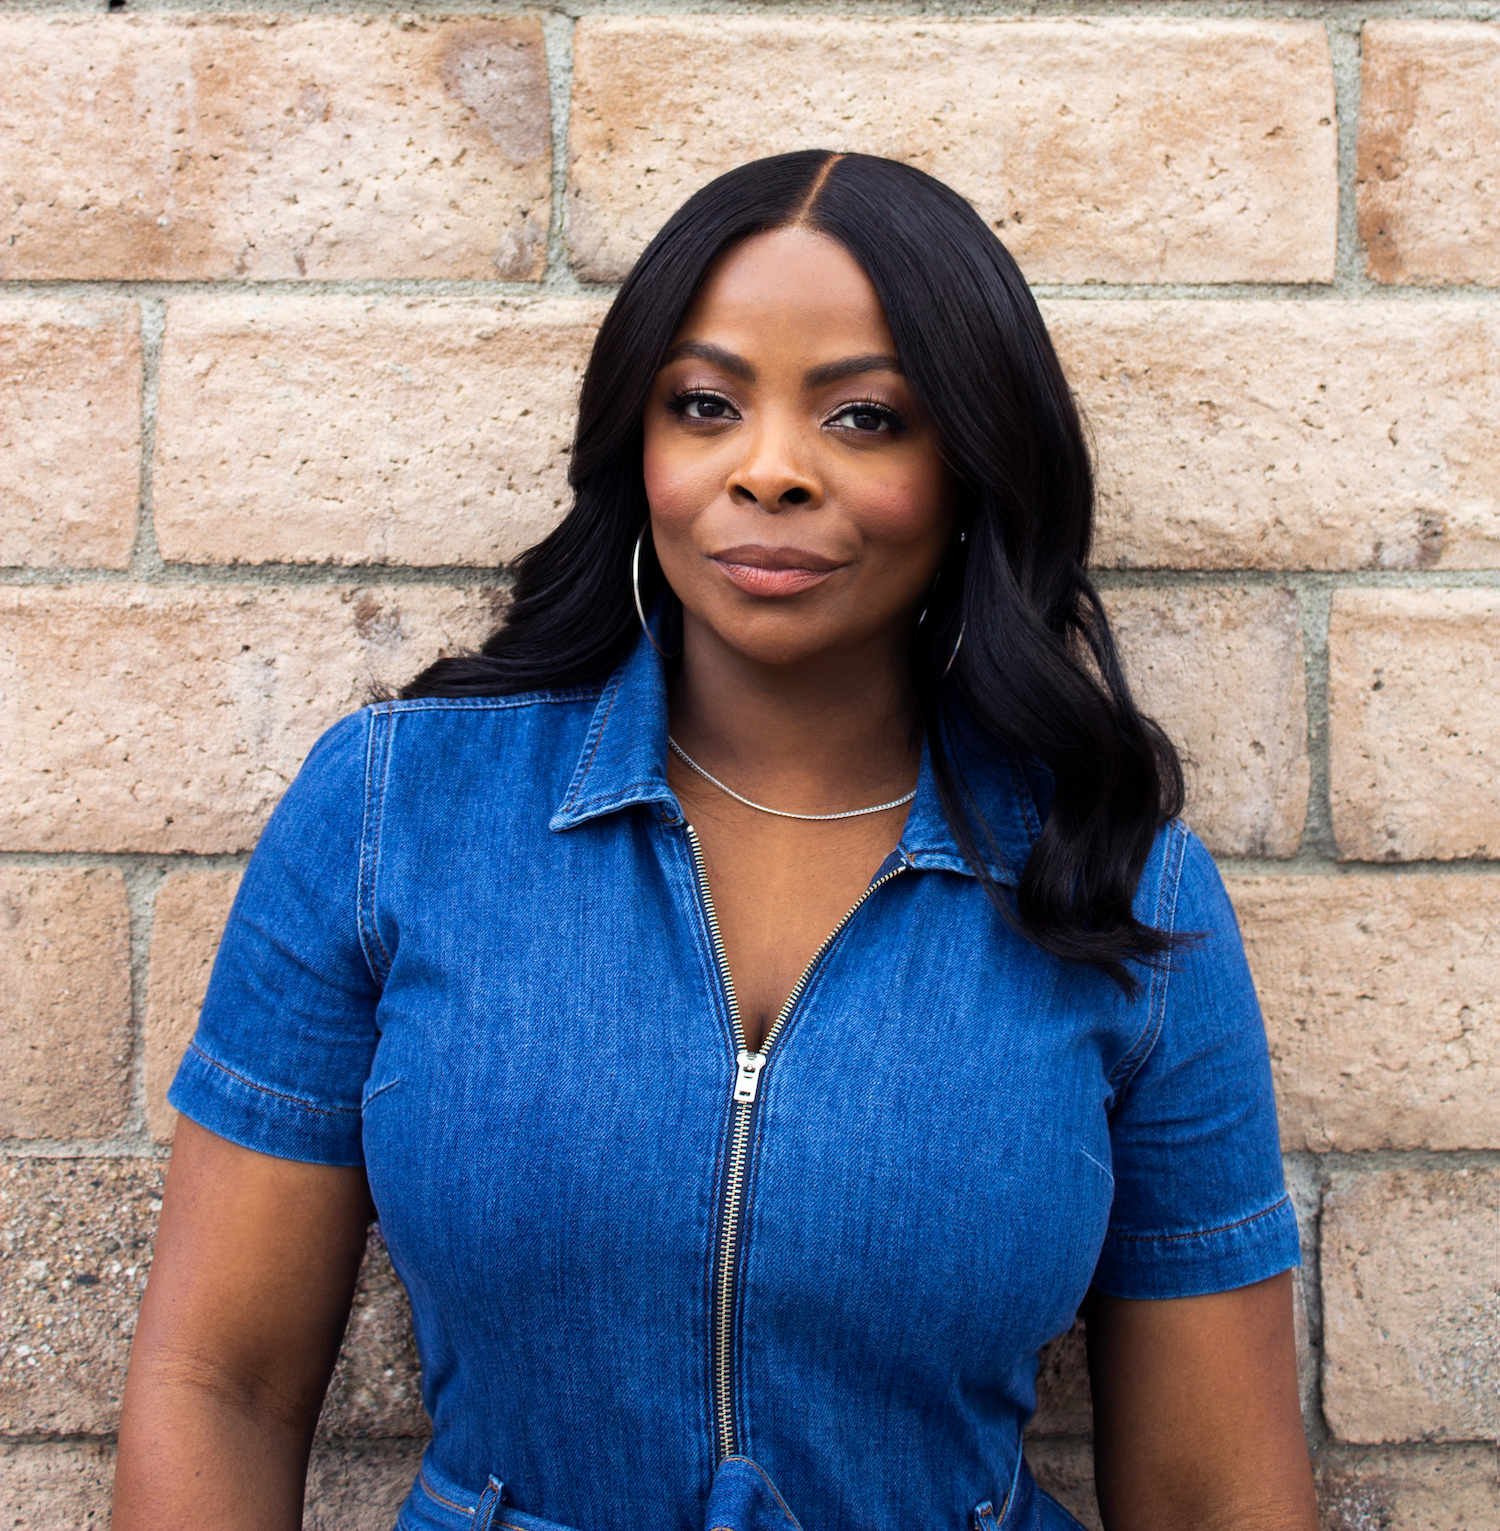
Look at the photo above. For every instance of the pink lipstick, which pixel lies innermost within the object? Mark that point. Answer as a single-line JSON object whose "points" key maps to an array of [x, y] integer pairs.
{"points": [[774, 571]]}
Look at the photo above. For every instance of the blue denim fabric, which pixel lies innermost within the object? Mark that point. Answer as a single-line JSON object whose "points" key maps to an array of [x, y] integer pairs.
{"points": [[471, 955]]}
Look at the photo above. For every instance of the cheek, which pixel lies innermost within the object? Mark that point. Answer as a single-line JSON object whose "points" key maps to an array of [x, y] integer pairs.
{"points": [[903, 504], [679, 484]]}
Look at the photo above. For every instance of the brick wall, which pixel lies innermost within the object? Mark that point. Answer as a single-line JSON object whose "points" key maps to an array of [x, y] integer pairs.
{"points": [[292, 308]]}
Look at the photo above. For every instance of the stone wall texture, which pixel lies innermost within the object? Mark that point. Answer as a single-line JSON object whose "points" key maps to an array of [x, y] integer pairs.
{"points": [[294, 303]]}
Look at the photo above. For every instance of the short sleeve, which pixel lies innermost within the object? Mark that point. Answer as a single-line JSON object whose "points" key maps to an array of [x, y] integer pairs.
{"points": [[1200, 1204], [287, 1031]]}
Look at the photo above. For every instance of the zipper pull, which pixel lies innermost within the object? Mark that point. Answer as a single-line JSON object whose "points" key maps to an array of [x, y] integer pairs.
{"points": [[747, 1081]]}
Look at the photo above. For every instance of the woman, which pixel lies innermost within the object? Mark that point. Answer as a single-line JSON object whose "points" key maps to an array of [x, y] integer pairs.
{"points": [[765, 991]]}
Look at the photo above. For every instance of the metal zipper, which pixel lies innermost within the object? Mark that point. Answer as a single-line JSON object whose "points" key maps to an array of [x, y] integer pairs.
{"points": [[748, 1066]]}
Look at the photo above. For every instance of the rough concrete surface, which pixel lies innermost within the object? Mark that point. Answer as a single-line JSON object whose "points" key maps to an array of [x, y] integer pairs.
{"points": [[65, 1486], [1428, 1489], [191, 908], [1222, 670], [376, 1390], [1411, 1305], [76, 1238], [365, 430], [156, 719], [359, 1486], [1382, 1005], [75, 1246], [1429, 136], [57, 1486], [1064, 1405], [201, 146], [64, 1002], [1262, 434], [1103, 150], [1414, 731], [70, 432], [1065, 1469]]}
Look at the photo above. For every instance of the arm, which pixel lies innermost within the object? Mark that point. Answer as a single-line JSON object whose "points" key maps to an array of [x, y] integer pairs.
{"points": [[255, 1266], [1197, 1424]]}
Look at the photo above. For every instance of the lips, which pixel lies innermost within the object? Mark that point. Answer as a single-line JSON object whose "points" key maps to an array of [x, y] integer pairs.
{"points": [[774, 571]]}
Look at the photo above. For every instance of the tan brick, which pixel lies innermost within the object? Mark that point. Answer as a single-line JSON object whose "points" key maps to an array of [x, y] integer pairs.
{"points": [[75, 1245], [1414, 732], [376, 1389], [1429, 136], [1064, 1403], [70, 432], [359, 1487], [1273, 435], [172, 719], [1115, 151], [1411, 1307], [365, 430], [262, 146], [1065, 1469], [1221, 670], [1423, 1488], [191, 908], [1382, 1004], [56, 1485], [64, 1003]]}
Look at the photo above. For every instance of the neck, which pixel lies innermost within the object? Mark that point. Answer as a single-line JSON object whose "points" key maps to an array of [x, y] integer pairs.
{"points": [[836, 729]]}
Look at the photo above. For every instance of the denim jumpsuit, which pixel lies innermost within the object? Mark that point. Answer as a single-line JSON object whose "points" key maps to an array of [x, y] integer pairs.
{"points": [[659, 1283]]}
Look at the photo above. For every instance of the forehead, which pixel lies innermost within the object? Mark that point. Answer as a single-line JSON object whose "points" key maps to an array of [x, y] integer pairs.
{"points": [[791, 289]]}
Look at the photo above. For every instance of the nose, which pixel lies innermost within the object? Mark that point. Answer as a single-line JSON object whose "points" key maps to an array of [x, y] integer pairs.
{"points": [[772, 472]]}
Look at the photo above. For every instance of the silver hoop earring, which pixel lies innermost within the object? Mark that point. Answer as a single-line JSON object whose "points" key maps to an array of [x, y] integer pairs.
{"points": [[635, 586], [954, 655]]}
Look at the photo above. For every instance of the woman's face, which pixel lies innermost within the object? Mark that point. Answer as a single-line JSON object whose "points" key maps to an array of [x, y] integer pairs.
{"points": [[799, 504]]}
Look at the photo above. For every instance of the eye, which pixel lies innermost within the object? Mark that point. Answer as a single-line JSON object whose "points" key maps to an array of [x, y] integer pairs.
{"points": [[867, 419], [702, 406]]}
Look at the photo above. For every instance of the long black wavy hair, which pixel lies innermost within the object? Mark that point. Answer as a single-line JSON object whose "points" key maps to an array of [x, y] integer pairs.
{"points": [[1037, 672]]}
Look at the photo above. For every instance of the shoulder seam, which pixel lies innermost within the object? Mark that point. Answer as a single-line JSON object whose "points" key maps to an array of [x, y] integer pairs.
{"points": [[377, 759], [1161, 973], [487, 703]]}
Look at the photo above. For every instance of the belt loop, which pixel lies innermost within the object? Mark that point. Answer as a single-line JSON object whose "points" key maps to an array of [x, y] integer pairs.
{"points": [[489, 1504]]}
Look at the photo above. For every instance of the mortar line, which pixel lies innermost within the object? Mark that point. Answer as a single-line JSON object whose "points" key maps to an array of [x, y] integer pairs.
{"points": [[1312, 580], [435, 10], [1345, 41], [499, 577], [1305, 863], [1313, 605], [145, 557], [160, 862], [563, 281], [161, 575], [142, 884], [557, 31], [120, 1146]]}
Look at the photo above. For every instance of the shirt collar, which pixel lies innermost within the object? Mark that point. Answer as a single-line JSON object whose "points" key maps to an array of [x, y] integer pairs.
{"points": [[623, 762]]}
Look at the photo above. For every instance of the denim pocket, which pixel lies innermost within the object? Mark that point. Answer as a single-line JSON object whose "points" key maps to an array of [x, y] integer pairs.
{"points": [[1021, 1510], [1026, 1508]]}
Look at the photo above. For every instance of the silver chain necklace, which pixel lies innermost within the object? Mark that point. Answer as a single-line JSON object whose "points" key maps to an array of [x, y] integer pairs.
{"points": [[851, 813]]}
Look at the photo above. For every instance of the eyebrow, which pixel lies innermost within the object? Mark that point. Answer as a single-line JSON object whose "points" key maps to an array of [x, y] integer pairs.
{"points": [[851, 366], [736, 366], [814, 377]]}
